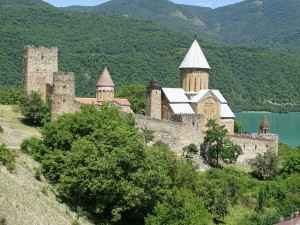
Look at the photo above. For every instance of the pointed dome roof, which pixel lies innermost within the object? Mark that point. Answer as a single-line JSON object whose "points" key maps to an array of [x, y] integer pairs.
{"points": [[195, 58], [264, 124], [105, 79]]}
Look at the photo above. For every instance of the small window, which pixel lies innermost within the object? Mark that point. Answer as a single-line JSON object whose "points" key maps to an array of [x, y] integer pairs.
{"points": [[42, 57], [65, 86]]}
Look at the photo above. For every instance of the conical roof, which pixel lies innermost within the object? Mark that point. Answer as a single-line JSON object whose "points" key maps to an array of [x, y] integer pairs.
{"points": [[105, 79], [264, 124], [195, 58]]}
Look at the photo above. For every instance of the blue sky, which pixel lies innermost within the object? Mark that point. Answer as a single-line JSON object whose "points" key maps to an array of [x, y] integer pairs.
{"points": [[210, 3]]}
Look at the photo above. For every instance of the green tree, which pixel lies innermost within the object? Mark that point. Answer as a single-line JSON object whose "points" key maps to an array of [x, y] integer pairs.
{"points": [[35, 111], [135, 93], [217, 147], [265, 166], [238, 128], [181, 207]]}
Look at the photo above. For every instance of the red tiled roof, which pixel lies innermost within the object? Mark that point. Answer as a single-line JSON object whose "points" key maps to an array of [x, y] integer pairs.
{"points": [[87, 101], [122, 101]]}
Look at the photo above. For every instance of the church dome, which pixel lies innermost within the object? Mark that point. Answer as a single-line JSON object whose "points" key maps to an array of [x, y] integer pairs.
{"points": [[105, 79]]}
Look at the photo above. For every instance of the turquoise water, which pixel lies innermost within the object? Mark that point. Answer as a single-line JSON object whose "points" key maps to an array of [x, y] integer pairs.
{"points": [[287, 125]]}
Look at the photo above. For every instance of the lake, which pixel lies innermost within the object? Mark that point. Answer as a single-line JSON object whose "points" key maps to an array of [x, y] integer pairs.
{"points": [[287, 125]]}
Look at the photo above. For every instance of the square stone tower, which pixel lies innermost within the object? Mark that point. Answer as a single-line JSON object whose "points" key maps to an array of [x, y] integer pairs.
{"points": [[63, 94], [39, 65]]}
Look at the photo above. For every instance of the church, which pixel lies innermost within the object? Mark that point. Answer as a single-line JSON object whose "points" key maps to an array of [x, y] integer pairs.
{"points": [[194, 101]]}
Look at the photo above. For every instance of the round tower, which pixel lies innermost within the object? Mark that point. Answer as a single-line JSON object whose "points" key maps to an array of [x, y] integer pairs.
{"points": [[105, 88], [264, 126], [194, 70]]}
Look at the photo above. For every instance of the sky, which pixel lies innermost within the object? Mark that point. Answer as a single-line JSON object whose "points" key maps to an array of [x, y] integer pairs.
{"points": [[209, 3]]}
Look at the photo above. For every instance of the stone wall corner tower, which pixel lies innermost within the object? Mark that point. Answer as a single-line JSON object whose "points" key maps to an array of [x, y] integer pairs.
{"points": [[63, 94], [39, 65], [154, 101], [194, 69], [105, 87]]}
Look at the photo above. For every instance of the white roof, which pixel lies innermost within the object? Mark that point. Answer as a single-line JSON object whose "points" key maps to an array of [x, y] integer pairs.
{"points": [[203, 93], [220, 97], [194, 58], [226, 112], [182, 108], [175, 95]]}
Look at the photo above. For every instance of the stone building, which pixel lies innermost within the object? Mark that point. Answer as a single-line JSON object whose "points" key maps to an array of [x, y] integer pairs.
{"points": [[178, 116], [194, 100], [41, 75]]}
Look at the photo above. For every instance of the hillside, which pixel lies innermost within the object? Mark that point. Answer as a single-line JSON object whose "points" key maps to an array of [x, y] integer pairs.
{"points": [[24, 200], [138, 51], [272, 23]]}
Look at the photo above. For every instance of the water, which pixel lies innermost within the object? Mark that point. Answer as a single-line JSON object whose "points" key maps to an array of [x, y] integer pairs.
{"points": [[287, 125]]}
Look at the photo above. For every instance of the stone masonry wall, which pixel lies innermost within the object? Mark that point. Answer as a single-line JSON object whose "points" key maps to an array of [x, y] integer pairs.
{"points": [[63, 94], [176, 134], [253, 144], [39, 65]]}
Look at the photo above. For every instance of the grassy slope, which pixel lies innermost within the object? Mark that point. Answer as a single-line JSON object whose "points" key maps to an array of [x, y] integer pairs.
{"points": [[23, 199], [14, 131]]}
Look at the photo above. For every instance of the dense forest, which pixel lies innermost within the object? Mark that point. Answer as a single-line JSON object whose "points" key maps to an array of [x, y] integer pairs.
{"points": [[137, 51], [248, 23]]}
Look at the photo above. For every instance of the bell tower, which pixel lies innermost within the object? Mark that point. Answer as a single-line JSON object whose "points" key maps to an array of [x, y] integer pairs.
{"points": [[194, 69], [105, 87]]}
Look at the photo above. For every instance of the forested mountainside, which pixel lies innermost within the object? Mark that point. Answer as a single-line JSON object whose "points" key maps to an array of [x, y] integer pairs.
{"points": [[272, 23], [137, 51]]}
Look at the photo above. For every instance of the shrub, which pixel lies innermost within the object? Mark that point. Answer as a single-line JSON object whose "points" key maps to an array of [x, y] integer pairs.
{"points": [[265, 166], [190, 151], [3, 221], [34, 110], [34, 147], [7, 158], [148, 135]]}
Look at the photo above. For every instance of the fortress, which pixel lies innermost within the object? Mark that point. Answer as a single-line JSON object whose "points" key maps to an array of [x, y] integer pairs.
{"points": [[177, 116]]}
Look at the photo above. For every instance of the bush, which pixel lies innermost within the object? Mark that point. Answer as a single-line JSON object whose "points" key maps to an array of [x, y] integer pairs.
{"points": [[34, 110], [1, 130], [7, 158], [265, 166], [3, 221], [181, 207], [34, 147]]}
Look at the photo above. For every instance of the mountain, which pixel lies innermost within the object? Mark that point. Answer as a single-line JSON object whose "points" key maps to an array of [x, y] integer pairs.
{"points": [[264, 22], [170, 15], [271, 23], [138, 51]]}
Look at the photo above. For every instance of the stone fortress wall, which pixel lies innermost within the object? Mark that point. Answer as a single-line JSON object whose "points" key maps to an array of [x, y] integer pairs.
{"points": [[41, 75], [176, 134], [180, 134], [253, 144], [63, 94]]}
